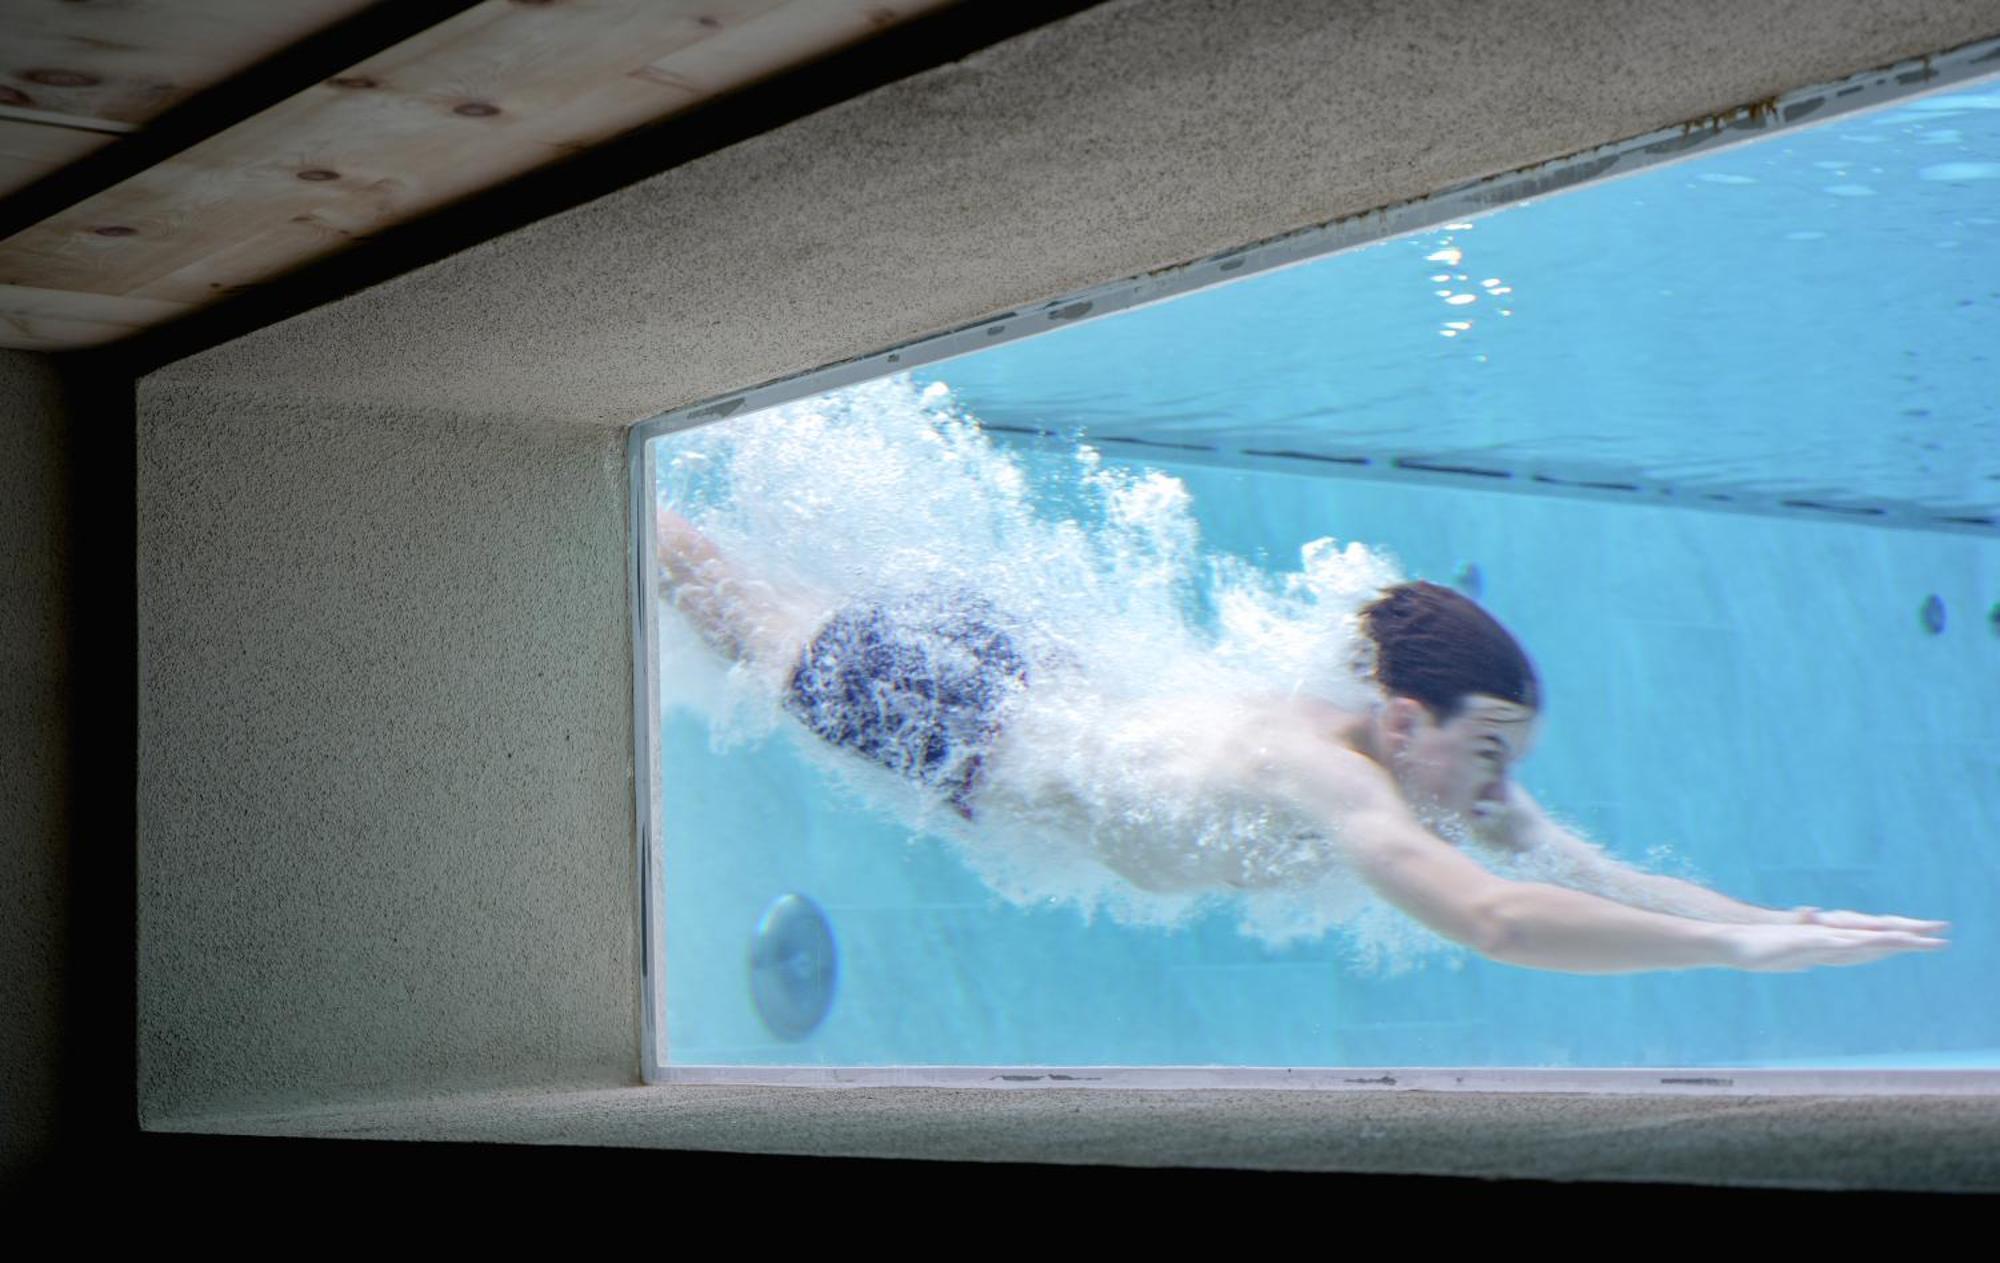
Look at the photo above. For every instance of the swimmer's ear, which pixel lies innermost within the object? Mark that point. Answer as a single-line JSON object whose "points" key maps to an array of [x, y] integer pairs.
{"points": [[1401, 718]]}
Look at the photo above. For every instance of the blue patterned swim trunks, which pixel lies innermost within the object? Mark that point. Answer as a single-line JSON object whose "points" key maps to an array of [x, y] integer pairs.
{"points": [[915, 685]]}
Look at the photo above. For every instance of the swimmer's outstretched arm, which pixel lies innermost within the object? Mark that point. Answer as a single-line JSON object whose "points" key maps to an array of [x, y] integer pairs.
{"points": [[1531, 828], [743, 617], [1550, 927], [698, 581]]}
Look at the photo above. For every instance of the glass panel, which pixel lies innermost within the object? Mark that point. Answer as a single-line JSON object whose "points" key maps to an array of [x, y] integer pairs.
{"points": [[1018, 709]]}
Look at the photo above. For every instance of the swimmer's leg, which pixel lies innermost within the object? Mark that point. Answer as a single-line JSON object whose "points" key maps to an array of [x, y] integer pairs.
{"points": [[743, 618]]}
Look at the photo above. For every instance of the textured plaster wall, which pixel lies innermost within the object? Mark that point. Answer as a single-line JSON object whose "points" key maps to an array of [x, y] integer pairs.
{"points": [[1129, 137], [385, 806], [384, 809], [34, 753], [1934, 1143]]}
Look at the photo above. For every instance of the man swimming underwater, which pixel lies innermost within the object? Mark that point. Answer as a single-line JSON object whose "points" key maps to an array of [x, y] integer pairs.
{"points": [[930, 689]]}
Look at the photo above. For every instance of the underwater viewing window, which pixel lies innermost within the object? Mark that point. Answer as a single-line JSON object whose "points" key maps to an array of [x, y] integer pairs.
{"points": [[1547, 627]]}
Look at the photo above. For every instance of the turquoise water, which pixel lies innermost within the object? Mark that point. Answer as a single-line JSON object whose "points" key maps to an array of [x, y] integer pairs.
{"points": [[1790, 702]]}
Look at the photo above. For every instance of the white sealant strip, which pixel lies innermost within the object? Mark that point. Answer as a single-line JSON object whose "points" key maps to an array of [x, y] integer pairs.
{"points": [[1705, 1081]]}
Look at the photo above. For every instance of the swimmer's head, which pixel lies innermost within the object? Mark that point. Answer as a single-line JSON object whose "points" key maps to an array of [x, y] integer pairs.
{"points": [[1438, 647], [1461, 699]]}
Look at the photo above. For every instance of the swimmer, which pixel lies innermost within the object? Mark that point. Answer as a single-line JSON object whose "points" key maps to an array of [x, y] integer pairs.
{"points": [[931, 690]]}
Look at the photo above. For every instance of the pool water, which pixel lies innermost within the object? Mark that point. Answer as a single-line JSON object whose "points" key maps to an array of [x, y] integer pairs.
{"points": [[1768, 638]]}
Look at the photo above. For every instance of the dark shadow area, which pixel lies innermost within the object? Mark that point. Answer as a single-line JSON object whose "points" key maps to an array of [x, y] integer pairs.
{"points": [[97, 1094], [254, 1176]]}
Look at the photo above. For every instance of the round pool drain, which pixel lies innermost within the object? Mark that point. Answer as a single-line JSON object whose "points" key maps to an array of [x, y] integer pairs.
{"points": [[793, 966]]}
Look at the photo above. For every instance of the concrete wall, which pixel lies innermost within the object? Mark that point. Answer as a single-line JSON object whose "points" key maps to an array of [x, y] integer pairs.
{"points": [[385, 803], [34, 754], [385, 826]]}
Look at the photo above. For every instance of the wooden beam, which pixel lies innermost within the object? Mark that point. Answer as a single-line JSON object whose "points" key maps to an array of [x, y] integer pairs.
{"points": [[46, 118], [132, 61], [496, 91], [50, 320], [29, 151]]}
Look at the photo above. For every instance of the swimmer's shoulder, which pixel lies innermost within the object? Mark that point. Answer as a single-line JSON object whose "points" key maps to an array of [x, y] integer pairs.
{"points": [[1320, 766]]}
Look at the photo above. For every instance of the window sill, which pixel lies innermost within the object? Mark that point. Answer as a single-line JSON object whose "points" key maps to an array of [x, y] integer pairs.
{"points": [[1930, 1143]]}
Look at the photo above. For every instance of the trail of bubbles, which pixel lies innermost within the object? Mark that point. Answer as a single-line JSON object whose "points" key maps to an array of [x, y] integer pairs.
{"points": [[892, 491]]}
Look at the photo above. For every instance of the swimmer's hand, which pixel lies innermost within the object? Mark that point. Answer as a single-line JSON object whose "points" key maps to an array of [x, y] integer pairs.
{"points": [[1790, 948], [1863, 921]]}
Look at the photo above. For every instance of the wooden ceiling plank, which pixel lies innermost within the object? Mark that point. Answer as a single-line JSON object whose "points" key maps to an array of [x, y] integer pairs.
{"points": [[493, 92], [132, 61], [30, 332], [55, 320], [756, 50], [45, 118], [97, 308], [27, 333], [542, 58], [29, 151], [397, 146], [248, 263]]}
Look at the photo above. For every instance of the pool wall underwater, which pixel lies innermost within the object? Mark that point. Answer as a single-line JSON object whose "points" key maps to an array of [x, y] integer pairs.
{"points": [[405, 512], [1683, 716]]}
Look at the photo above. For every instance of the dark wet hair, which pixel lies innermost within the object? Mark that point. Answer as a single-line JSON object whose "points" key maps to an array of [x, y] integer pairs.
{"points": [[1438, 647]]}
